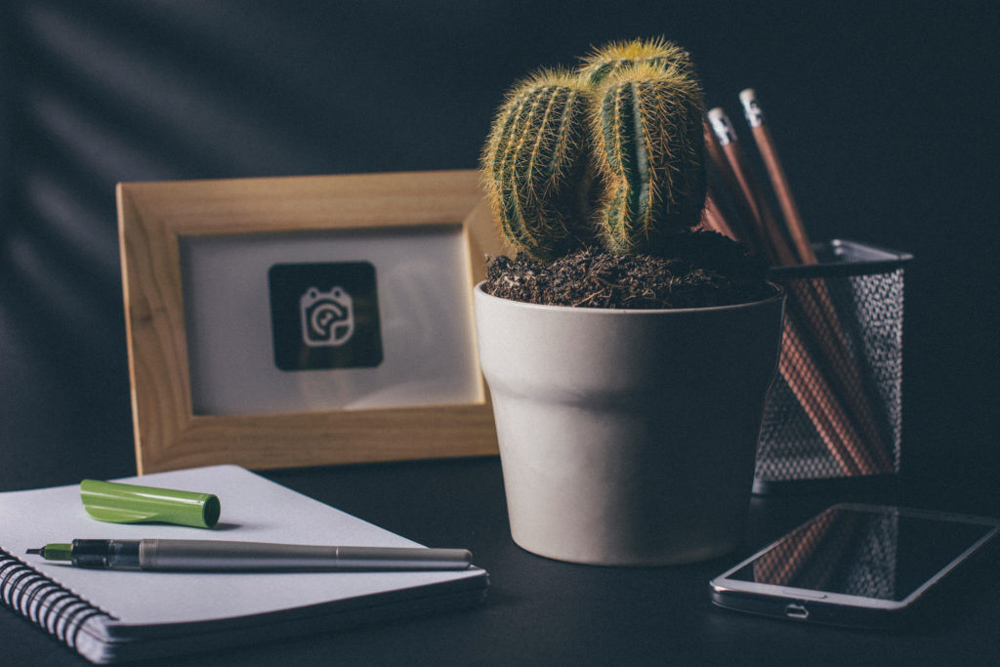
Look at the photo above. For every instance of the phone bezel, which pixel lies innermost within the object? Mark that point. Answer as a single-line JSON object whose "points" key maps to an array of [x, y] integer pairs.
{"points": [[838, 608]]}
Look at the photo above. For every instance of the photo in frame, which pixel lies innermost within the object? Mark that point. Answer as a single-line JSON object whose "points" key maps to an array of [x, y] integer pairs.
{"points": [[299, 321]]}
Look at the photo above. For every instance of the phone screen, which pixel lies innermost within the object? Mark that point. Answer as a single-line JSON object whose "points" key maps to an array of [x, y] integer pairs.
{"points": [[878, 553]]}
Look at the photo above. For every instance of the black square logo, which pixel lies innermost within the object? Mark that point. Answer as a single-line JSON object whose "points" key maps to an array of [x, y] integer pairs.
{"points": [[325, 316]]}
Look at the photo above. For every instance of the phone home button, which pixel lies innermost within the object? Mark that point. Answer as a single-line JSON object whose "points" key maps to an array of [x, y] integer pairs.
{"points": [[807, 595]]}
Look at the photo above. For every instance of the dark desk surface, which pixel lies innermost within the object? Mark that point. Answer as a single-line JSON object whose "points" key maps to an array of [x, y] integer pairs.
{"points": [[541, 612]]}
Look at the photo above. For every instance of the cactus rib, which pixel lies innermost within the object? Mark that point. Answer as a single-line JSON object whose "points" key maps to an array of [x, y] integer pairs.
{"points": [[534, 161], [649, 153]]}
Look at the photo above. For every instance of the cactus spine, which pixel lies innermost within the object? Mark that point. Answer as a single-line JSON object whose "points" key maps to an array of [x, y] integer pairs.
{"points": [[632, 113], [650, 145], [535, 164], [613, 57]]}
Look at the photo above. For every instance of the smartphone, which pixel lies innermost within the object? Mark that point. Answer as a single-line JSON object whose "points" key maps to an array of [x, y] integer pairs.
{"points": [[855, 565]]}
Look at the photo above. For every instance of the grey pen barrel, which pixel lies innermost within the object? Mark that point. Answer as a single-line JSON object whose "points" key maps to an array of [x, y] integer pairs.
{"points": [[204, 555]]}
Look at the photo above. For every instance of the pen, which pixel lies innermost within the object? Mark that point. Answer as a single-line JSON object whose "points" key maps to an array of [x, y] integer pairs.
{"points": [[213, 555]]}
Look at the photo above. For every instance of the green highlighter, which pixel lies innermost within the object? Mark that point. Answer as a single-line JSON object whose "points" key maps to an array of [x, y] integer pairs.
{"points": [[129, 503]]}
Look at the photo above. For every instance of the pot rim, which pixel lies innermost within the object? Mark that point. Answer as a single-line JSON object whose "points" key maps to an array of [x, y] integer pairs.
{"points": [[778, 295]]}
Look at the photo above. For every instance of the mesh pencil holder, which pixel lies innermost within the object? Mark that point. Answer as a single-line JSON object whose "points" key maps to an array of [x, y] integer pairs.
{"points": [[835, 409]]}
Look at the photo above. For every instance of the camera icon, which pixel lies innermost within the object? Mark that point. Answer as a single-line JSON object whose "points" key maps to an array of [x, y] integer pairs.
{"points": [[327, 317]]}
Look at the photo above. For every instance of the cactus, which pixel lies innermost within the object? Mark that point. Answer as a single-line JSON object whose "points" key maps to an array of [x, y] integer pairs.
{"points": [[535, 164], [649, 150], [632, 115], [615, 56]]}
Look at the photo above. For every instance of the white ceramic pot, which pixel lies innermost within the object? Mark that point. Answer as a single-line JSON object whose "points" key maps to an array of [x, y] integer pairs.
{"points": [[627, 437]]}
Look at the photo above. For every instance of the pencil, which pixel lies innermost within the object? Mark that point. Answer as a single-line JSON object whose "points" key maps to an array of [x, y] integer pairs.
{"points": [[811, 387], [781, 253], [829, 332], [812, 305], [724, 193], [796, 368], [776, 172]]}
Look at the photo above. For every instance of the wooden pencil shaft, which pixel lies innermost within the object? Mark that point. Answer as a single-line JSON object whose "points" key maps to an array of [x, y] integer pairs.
{"points": [[819, 403], [832, 355], [781, 253], [835, 411], [820, 318], [821, 321], [720, 170], [725, 184], [838, 437], [807, 394], [783, 193], [809, 404], [776, 173], [762, 212], [823, 324], [818, 398]]}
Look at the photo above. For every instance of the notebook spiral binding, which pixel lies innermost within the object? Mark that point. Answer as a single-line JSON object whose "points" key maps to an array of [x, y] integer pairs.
{"points": [[57, 610]]}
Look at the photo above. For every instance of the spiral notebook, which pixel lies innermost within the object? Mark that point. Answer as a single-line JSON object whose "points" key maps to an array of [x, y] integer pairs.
{"points": [[110, 616]]}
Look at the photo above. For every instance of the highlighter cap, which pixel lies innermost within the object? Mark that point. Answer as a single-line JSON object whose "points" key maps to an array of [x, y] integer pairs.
{"points": [[129, 503]]}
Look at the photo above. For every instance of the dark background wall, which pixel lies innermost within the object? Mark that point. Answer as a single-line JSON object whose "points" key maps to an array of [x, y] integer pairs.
{"points": [[883, 113]]}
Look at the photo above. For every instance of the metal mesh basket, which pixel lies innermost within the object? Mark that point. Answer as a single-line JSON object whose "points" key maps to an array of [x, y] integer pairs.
{"points": [[835, 409]]}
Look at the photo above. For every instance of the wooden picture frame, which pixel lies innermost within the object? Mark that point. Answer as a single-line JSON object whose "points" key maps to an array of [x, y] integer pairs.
{"points": [[156, 219]]}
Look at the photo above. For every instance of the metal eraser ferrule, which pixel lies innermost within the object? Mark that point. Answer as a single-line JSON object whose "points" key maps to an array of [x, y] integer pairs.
{"points": [[751, 109], [129, 503], [722, 126]]}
